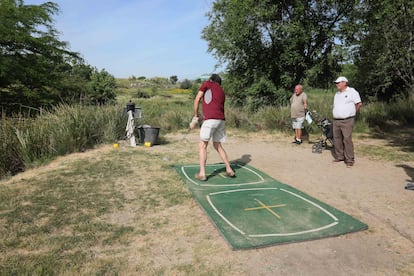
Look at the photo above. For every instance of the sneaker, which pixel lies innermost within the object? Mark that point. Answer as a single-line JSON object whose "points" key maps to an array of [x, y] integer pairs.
{"points": [[200, 177]]}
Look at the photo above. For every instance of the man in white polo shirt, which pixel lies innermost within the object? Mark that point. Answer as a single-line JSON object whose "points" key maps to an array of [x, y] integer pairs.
{"points": [[347, 103]]}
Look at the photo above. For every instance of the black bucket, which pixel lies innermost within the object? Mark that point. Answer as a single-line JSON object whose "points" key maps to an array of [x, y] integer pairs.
{"points": [[148, 134]]}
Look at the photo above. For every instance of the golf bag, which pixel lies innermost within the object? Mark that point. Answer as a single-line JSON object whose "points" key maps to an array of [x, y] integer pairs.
{"points": [[325, 126]]}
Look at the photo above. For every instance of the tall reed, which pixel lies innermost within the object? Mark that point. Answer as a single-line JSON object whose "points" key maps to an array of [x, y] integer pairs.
{"points": [[389, 115], [27, 142], [169, 113], [10, 152], [65, 129]]}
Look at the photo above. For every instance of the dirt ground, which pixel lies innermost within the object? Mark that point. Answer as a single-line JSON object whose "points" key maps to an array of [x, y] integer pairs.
{"points": [[371, 191]]}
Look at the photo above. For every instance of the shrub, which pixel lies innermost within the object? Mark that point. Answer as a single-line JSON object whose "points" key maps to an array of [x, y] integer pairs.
{"points": [[186, 84]]}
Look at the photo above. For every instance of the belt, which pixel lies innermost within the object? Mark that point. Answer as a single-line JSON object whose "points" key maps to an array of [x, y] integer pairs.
{"points": [[344, 118]]}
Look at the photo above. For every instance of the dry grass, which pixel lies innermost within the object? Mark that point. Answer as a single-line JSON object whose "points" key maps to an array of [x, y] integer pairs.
{"points": [[122, 211], [88, 213]]}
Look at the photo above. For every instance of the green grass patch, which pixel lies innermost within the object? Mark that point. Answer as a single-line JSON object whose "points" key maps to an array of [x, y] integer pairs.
{"points": [[394, 146], [379, 152]]}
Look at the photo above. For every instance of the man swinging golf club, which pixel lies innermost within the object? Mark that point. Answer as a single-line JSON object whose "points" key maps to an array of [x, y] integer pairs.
{"points": [[213, 127]]}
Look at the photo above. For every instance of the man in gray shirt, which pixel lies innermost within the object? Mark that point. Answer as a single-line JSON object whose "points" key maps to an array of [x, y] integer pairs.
{"points": [[298, 106]]}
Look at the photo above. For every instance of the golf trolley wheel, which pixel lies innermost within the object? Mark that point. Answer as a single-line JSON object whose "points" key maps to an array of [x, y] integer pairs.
{"points": [[317, 148]]}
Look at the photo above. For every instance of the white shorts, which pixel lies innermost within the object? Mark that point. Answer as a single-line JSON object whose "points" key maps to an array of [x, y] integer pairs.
{"points": [[213, 128], [297, 123]]}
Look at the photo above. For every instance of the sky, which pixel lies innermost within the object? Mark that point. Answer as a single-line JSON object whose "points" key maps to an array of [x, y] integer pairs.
{"points": [[150, 38]]}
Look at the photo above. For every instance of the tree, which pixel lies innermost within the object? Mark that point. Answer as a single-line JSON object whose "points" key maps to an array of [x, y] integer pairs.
{"points": [[186, 84], [385, 56], [36, 68], [102, 86], [74, 83], [173, 79], [276, 41], [32, 57]]}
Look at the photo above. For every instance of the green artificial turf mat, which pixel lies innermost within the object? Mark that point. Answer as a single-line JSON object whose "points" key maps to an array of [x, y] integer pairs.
{"points": [[254, 210]]}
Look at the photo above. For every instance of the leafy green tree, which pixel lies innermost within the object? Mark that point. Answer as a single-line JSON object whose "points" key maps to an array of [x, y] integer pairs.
{"points": [[102, 88], [324, 72], [275, 40], [264, 93], [31, 54], [74, 83], [385, 56], [194, 88], [36, 69], [186, 84], [173, 79]]}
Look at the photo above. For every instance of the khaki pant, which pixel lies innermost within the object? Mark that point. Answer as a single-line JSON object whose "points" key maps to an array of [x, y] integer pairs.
{"points": [[342, 134]]}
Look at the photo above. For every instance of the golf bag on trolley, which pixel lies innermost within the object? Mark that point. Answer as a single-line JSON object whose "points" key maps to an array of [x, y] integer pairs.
{"points": [[325, 126]]}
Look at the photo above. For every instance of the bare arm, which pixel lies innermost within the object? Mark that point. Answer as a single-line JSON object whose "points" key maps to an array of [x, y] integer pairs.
{"points": [[195, 119], [197, 102], [358, 106]]}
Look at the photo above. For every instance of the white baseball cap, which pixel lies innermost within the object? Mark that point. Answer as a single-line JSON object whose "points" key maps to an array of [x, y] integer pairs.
{"points": [[340, 79]]}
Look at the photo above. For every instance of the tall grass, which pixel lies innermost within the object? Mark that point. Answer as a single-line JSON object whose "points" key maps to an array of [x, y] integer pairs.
{"points": [[65, 129], [27, 142], [10, 153], [389, 115], [170, 113]]}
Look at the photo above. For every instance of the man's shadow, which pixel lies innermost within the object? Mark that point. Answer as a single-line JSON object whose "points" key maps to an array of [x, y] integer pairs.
{"points": [[236, 164], [243, 160], [408, 170]]}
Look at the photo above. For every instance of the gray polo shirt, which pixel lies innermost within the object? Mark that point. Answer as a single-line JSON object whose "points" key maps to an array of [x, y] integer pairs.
{"points": [[297, 109]]}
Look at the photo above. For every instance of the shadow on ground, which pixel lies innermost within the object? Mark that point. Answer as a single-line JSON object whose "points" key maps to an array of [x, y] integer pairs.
{"points": [[402, 137], [408, 170]]}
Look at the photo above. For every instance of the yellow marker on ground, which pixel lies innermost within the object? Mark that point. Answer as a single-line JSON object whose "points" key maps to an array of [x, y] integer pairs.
{"points": [[268, 208]]}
